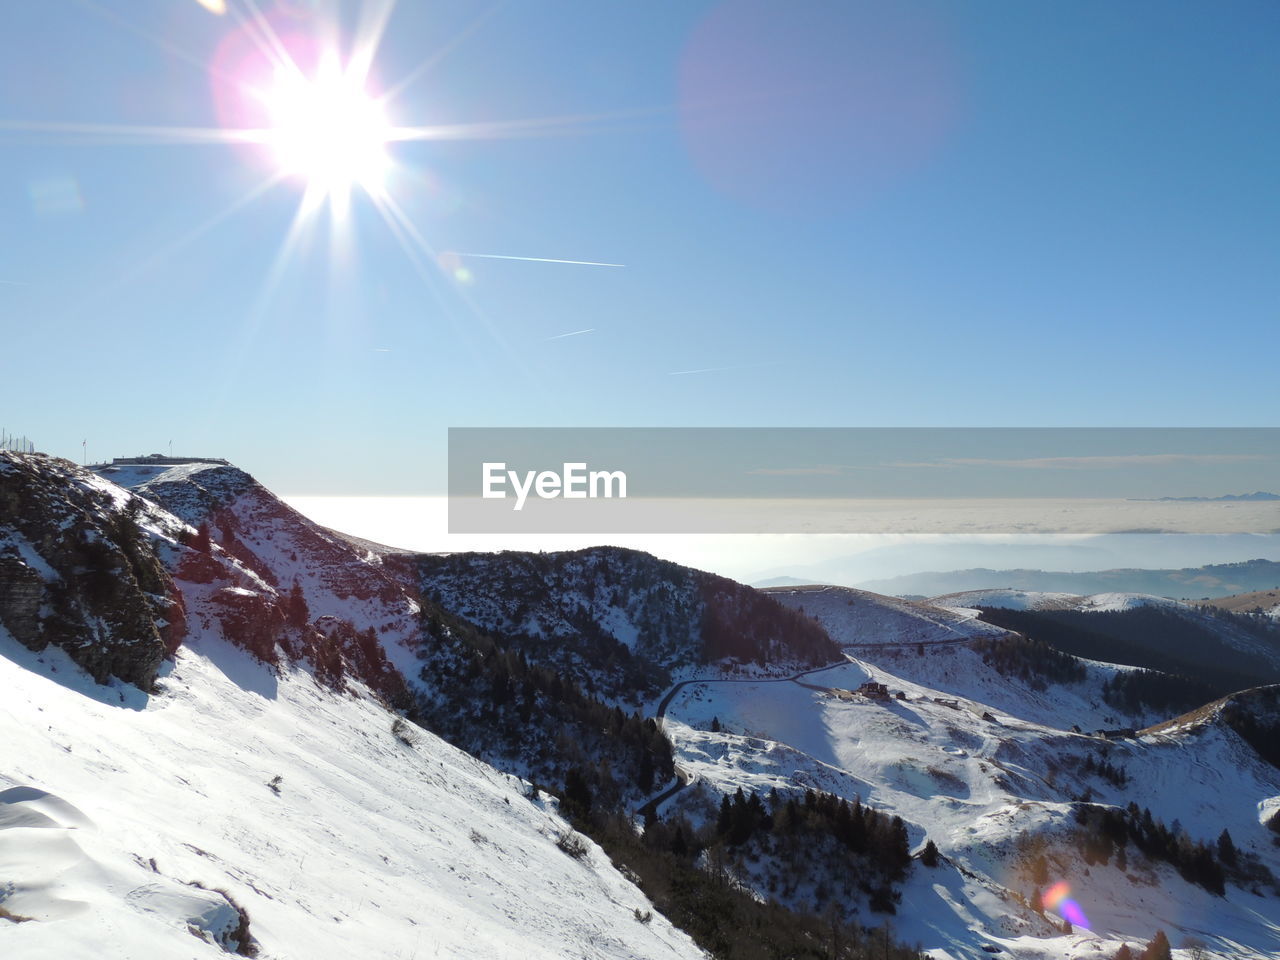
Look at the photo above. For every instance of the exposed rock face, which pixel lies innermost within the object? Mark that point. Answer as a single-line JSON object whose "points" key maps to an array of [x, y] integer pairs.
{"points": [[113, 578], [279, 585], [268, 536], [78, 570]]}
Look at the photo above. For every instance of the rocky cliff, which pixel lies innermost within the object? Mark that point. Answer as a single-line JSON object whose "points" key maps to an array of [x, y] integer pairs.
{"points": [[79, 569]]}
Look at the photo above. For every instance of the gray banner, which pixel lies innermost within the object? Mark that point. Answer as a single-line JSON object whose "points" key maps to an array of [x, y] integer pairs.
{"points": [[781, 480]]}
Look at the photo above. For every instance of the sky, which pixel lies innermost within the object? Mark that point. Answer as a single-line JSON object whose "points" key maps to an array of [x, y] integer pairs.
{"points": [[816, 214]]}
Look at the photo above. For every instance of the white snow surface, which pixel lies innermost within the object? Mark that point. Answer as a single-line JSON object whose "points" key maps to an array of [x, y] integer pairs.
{"points": [[114, 805]]}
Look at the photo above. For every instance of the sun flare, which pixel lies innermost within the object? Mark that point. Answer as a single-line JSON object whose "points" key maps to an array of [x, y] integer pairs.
{"points": [[327, 129]]}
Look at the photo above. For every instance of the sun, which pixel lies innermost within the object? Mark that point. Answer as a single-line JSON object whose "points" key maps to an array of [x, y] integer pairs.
{"points": [[327, 129]]}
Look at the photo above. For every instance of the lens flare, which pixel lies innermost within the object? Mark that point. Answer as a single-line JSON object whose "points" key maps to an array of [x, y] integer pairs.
{"points": [[1058, 898]]}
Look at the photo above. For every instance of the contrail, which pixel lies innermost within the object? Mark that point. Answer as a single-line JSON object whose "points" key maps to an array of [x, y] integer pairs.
{"points": [[572, 333], [739, 366], [497, 256]]}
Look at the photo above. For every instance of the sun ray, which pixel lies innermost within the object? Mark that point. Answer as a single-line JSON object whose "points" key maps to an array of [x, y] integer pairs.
{"points": [[253, 318], [167, 45], [259, 30], [425, 263], [374, 17], [426, 65], [424, 259], [564, 125], [118, 133], [142, 267]]}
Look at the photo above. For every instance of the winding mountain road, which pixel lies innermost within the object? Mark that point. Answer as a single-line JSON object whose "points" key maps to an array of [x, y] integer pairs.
{"points": [[685, 778]]}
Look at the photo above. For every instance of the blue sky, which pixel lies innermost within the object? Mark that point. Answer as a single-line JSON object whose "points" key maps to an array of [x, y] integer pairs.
{"points": [[839, 214]]}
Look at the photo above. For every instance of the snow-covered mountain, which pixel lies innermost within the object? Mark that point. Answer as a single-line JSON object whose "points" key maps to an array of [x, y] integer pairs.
{"points": [[232, 795], [234, 771]]}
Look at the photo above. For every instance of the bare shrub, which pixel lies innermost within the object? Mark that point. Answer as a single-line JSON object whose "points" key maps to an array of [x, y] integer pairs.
{"points": [[572, 844]]}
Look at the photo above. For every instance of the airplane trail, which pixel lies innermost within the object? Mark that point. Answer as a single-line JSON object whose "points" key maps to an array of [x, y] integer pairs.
{"points": [[739, 366], [498, 256]]}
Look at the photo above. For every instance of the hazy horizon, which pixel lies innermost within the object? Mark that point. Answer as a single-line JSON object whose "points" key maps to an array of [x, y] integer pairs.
{"points": [[420, 524]]}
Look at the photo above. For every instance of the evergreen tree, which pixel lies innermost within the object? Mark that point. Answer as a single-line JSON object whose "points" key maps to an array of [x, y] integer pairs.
{"points": [[725, 820], [1037, 901], [1124, 953], [930, 855], [1226, 849], [576, 803]]}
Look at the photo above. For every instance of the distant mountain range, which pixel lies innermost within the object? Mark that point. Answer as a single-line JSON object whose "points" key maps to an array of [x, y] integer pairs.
{"points": [[1253, 497], [1195, 583]]}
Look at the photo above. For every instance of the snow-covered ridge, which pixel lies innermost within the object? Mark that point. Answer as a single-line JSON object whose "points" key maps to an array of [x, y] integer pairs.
{"points": [[255, 772], [337, 579], [1012, 599], [859, 618]]}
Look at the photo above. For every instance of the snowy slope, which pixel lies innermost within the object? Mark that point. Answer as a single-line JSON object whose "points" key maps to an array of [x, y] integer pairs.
{"points": [[975, 786], [857, 618], [115, 805], [932, 644], [959, 670]]}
